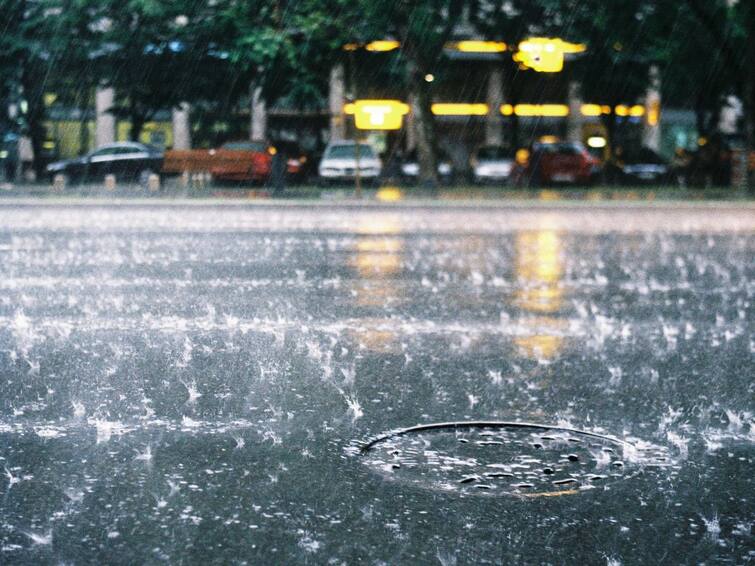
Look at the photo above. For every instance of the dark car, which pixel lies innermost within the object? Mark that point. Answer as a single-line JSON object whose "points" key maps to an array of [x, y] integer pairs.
{"points": [[640, 167], [128, 161], [410, 168], [300, 164]]}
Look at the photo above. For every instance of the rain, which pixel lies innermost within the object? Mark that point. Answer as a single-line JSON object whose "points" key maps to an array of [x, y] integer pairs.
{"points": [[316, 282]]}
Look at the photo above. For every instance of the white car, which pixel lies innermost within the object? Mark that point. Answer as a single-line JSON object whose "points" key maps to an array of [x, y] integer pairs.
{"points": [[339, 162], [491, 164]]}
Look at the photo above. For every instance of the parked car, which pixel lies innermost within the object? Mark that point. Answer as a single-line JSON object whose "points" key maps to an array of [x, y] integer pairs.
{"points": [[235, 161], [339, 162], [243, 161], [639, 167], [492, 164], [130, 161], [410, 168], [299, 163], [558, 163]]}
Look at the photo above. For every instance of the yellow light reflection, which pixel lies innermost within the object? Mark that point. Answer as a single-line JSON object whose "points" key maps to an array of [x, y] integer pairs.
{"points": [[377, 258], [459, 109], [539, 269], [389, 194], [376, 335]]}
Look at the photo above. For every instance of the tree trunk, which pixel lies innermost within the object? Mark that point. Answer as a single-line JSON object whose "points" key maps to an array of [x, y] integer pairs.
{"points": [[84, 104], [137, 125], [35, 119], [424, 124], [749, 94]]}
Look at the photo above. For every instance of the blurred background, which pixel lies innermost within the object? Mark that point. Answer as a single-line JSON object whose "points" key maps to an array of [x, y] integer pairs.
{"points": [[453, 92]]}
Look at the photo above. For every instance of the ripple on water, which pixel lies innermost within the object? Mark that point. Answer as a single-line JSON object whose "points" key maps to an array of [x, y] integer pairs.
{"points": [[507, 459]]}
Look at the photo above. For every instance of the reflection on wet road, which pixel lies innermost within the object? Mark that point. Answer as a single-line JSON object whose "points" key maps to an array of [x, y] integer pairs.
{"points": [[187, 383]]}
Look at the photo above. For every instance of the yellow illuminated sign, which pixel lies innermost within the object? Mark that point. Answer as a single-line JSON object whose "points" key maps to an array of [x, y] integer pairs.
{"points": [[382, 45], [474, 46], [545, 54], [377, 114], [547, 110], [459, 109], [636, 111]]}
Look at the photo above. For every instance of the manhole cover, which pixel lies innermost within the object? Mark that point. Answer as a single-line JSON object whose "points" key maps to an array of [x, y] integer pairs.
{"points": [[514, 458]]}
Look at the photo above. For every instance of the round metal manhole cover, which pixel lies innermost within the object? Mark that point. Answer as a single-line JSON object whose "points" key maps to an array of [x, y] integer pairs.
{"points": [[506, 458]]}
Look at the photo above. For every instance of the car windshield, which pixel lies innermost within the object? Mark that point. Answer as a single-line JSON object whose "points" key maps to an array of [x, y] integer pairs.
{"points": [[492, 153], [644, 156], [563, 148], [349, 151], [245, 146]]}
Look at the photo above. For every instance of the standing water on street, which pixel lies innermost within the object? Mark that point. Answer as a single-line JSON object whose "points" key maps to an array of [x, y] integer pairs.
{"points": [[222, 383]]}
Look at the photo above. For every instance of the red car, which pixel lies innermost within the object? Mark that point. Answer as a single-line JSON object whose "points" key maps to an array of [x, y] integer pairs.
{"points": [[559, 163], [243, 161]]}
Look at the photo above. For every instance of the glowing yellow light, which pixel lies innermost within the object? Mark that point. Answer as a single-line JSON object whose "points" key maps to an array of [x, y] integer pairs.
{"points": [[550, 110], [597, 142], [50, 98], [382, 45], [548, 139], [522, 156], [459, 109], [591, 110], [429, 78], [545, 54], [271, 150], [654, 113], [507, 109], [606, 109], [377, 114], [389, 194], [635, 111], [474, 46], [351, 47]]}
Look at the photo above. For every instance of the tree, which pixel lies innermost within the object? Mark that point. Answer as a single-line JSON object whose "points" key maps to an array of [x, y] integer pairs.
{"points": [[157, 55], [44, 46]]}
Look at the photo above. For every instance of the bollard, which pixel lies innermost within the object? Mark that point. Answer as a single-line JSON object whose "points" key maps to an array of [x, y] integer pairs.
{"points": [[59, 183], [110, 183], [153, 183]]}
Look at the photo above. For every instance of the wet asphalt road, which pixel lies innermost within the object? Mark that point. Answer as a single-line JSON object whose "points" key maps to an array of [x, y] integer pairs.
{"points": [[189, 383]]}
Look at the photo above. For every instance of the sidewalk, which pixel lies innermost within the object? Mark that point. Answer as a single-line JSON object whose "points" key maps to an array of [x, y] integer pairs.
{"points": [[481, 196]]}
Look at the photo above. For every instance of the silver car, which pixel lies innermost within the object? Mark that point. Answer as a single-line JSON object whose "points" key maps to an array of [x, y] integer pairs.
{"points": [[339, 162], [492, 164]]}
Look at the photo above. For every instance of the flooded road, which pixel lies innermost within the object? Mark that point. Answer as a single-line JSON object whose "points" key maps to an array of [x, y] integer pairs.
{"points": [[197, 384]]}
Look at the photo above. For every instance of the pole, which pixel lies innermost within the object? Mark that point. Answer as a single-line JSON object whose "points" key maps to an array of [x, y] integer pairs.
{"points": [[358, 177], [352, 98]]}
